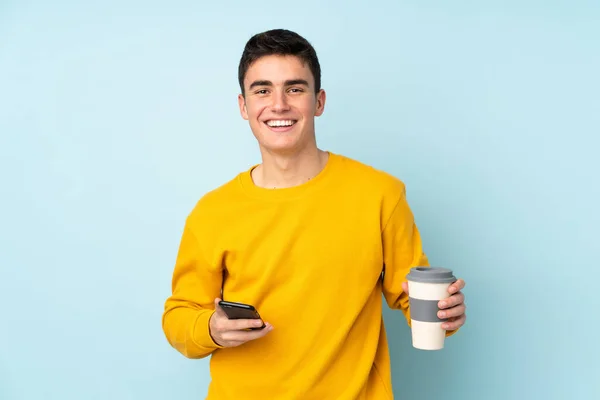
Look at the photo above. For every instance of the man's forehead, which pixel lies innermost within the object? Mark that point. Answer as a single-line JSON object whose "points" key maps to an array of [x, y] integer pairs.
{"points": [[278, 70]]}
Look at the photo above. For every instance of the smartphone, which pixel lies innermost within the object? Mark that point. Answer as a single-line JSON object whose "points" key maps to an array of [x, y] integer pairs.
{"points": [[240, 311]]}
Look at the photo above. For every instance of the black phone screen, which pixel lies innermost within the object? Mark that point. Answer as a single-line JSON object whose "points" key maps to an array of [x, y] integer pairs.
{"points": [[239, 311]]}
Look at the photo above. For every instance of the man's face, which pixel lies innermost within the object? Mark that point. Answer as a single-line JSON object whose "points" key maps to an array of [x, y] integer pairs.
{"points": [[280, 103]]}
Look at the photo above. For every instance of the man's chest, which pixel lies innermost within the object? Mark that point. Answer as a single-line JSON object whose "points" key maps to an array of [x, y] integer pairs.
{"points": [[299, 244]]}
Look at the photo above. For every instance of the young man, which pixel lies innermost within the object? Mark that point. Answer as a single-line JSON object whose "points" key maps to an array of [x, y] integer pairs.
{"points": [[304, 237]]}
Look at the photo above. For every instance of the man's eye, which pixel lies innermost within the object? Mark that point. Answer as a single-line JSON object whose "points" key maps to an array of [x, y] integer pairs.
{"points": [[263, 91], [295, 90]]}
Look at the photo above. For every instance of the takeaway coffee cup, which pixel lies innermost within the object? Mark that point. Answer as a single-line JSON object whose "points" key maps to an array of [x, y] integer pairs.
{"points": [[426, 287]]}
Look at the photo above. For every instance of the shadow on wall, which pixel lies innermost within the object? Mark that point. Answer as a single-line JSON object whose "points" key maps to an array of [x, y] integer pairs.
{"points": [[419, 374]]}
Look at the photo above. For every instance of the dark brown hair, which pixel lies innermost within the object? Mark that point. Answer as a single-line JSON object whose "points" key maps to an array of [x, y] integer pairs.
{"points": [[280, 42]]}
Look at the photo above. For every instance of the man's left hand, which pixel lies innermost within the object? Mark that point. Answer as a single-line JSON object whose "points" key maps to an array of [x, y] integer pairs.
{"points": [[453, 308]]}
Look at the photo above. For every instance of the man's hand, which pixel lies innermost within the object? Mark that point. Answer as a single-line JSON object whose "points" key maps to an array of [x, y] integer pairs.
{"points": [[452, 308], [233, 332]]}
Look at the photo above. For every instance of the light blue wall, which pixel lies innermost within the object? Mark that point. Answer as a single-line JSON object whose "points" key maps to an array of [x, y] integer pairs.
{"points": [[116, 117]]}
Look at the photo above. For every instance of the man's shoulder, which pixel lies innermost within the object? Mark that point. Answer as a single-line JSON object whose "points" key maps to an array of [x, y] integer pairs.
{"points": [[368, 177], [216, 198]]}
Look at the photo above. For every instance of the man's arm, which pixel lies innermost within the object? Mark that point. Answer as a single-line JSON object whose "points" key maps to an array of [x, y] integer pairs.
{"points": [[195, 285], [402, 250]]}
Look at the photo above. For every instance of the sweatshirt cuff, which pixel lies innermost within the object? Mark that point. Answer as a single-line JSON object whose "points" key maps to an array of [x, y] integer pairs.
{"points": [[452, 332], [202, 335]]}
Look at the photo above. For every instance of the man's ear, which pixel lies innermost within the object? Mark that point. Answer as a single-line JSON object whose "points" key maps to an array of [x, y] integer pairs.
{"points": [[320, 106], [242, 105]]}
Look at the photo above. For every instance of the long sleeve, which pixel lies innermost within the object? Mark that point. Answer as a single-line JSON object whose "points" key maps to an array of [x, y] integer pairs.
{"points": [[187, 311], [402, 250]]}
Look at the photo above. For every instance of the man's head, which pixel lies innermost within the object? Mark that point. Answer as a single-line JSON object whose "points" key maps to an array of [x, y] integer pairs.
{"points": [[280, 80], [279, 42]]}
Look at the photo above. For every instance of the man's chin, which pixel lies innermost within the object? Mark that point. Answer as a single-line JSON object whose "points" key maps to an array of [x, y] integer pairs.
{"points": [[279, 148]]}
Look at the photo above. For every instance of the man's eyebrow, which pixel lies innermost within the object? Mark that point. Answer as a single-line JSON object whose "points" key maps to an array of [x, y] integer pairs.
{"points": [[296, 82], [289, 82], [261, 83]]}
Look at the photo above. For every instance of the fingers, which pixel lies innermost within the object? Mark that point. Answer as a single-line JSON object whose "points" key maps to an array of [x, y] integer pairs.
{"points": [[456, 286], [245, 336], [241, 324], [223, 324], [452, 312], [452, 301], [234, 332], [455, 323], [218, 310]]}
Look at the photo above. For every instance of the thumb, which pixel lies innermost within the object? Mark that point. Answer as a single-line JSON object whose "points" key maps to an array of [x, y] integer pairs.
{"points": [[218, 310], [405, 287]]}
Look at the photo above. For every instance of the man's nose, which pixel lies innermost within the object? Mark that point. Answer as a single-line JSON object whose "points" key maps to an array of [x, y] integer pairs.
{"points": [[279, 101]]}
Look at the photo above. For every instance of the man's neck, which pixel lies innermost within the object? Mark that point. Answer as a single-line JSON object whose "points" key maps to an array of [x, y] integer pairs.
{"points": [[284, 171]]}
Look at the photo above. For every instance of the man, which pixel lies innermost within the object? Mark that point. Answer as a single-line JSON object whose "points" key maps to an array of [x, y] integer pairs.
{"points": [[310, 238]]}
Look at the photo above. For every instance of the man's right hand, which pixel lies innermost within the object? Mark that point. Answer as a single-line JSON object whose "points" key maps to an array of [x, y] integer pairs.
{"points": [[232, 332]]}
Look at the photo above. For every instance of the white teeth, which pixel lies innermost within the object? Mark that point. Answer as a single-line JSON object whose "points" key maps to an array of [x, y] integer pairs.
{"points": [[280, 123]]}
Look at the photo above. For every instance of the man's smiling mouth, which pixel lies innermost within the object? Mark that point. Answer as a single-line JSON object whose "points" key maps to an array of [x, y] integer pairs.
{"points": [[274, 123], [280, 125]]}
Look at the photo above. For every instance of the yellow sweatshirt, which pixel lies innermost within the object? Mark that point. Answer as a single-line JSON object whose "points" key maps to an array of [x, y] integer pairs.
{"points": [[310, 259]]}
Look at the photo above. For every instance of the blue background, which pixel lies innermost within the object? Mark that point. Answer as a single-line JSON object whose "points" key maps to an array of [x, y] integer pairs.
{"points": [[115, 117]]}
